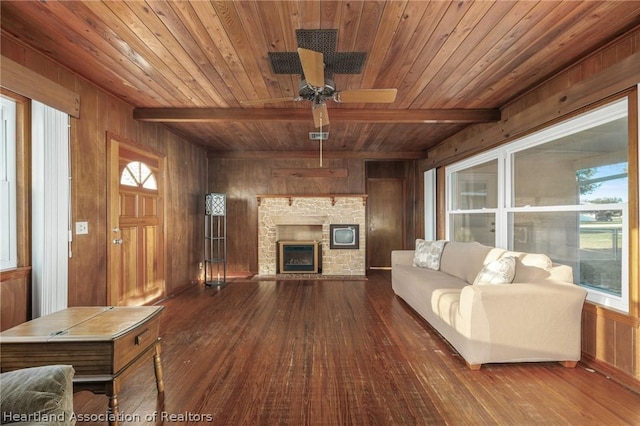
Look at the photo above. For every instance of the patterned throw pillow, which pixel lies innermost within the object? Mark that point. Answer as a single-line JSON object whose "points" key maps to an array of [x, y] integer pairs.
{"points": [[427, 254], [499, 271]]}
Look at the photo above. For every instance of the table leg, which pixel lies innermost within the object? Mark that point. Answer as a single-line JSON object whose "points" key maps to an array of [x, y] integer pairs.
{"points": [[157, 363], [113, 388]]}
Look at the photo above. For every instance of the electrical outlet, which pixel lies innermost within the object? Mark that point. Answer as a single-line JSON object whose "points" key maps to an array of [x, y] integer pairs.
{"points": [[82, 228]]}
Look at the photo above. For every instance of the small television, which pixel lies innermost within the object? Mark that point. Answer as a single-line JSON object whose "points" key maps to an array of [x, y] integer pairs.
{"points": [[344, 237]]}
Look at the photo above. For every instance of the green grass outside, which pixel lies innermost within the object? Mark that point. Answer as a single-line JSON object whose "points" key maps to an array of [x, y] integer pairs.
{"points": [[600, 240]]}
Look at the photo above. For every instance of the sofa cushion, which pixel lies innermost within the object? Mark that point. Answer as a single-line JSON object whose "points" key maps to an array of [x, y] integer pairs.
{"points": [[500, 271], [427, 254], [445, 303], [427, 278], [530, 267], [465, 260], [43, 395]]}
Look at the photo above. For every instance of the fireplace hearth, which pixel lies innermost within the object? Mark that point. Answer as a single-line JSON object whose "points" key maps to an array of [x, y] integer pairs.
{"points": [[298, 256]]}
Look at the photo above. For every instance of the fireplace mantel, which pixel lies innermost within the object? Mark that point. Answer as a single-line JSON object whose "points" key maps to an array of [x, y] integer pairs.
{"points": [[332, 197], [299, 220]]}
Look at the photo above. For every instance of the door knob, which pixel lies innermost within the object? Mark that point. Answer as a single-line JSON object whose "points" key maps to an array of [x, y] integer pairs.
{"points": [[117, 241], [116, 230]]}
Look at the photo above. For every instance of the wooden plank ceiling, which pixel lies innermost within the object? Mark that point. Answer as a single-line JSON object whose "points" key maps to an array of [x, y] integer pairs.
{"points": [[192, 64]]}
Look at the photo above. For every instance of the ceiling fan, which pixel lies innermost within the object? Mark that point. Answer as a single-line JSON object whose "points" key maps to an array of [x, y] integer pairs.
{"points": [[316, 61]]}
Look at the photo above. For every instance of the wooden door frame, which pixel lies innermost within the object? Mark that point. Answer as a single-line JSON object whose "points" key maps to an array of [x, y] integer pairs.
{"points": [[113, 211]]}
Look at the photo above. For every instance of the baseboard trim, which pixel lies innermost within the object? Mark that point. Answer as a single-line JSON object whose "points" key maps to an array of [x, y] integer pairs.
{"points": [[615, 374]]}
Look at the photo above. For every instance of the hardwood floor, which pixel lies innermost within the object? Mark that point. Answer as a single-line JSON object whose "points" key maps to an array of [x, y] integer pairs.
{"points": [[339, 353]]}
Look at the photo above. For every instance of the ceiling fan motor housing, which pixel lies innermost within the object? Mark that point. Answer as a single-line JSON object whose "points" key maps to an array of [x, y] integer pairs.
{"points": [[309, 93]]}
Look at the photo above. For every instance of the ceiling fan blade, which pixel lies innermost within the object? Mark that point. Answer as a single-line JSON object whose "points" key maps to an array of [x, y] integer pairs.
{"points": [[383, 96], [320, 115], [312, 66], [266, 101]]}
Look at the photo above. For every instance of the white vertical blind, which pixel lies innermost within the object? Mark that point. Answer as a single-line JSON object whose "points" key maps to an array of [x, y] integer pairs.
{"points": [[430, 205], [50, 209], [8, 233]]}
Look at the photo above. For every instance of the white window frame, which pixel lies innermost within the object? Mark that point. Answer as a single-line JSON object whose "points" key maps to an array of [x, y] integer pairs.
{"points": [[8, 186], [505, 155], [482, 158]]}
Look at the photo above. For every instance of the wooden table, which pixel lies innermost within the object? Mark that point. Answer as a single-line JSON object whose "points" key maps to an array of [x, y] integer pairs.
{"points": [[103, 344]]}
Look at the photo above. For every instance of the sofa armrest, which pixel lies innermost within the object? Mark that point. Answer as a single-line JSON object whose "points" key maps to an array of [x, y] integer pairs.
{"points": [[402, 257], [562, 273], [538, 316], [38, 395]]}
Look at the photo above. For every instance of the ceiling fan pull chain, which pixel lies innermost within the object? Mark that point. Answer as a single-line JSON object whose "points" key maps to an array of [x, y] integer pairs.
{"points": [[321, 141]]}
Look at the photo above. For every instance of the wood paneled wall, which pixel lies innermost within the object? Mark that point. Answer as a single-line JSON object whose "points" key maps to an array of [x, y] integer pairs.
{"points": [[610, 340], [15, 291], [185, 181], [242, 179]]}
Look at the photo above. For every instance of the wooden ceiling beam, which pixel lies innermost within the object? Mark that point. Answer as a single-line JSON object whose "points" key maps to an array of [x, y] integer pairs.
{"points": [[210, 115], [328, 154]]}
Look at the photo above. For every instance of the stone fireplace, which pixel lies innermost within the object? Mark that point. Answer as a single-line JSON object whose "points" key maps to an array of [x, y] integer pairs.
{"points": [[308, 218]]}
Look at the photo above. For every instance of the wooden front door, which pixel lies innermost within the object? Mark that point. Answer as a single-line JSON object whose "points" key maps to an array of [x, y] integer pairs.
{"points": [[135, 272], [385, 220]]}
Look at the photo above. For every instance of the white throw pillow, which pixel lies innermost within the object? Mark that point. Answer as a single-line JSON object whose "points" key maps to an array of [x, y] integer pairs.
{"points": [[499, 271], [427, 254]]}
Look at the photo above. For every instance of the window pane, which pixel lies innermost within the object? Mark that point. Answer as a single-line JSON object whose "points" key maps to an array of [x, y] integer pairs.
{"points": [[586, 167], [134, 168], [138, 174], [590, 242], [603, 185], [478, 227], [150, 182], [554, 233], [475, 187], [601, 250], [144, 172], [127, 178]]}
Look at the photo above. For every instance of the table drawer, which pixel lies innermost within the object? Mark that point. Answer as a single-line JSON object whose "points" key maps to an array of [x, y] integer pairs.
{"points": [[136, 341]]}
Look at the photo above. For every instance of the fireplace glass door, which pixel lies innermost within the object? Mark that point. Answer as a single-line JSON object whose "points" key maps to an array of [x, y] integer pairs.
{"points": [[298, 256]]}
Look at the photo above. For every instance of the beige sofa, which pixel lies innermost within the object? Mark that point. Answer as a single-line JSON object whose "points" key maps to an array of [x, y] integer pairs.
{"points": [[537, 317]]}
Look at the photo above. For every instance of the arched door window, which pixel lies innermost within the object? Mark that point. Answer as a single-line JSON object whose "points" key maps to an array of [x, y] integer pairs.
{"points": [[138, 174]]}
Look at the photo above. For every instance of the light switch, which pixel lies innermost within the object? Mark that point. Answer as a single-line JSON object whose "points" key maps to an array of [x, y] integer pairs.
{"points": [[82, 228]]}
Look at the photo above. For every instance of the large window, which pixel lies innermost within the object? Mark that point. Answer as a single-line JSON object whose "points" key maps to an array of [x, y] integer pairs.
{"points": [[562, 191]]}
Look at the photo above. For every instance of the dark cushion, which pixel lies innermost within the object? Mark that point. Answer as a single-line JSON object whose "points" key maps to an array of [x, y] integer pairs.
{"points": [[42, 395]]}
